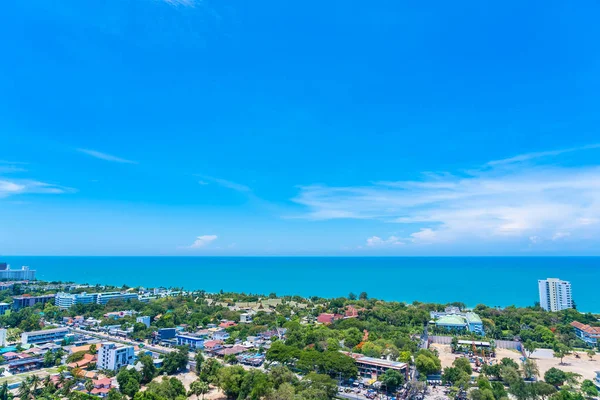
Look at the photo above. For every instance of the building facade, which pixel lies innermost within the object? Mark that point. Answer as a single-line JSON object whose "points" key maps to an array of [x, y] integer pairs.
{"points": [[454, 319], [193, 341], [144, 320], [4, 307], [589, 334], [20, 302], [372, 368], [44, 336], [104, 298], [555, 295], [67, 300], [113, 357], [23, 274]]}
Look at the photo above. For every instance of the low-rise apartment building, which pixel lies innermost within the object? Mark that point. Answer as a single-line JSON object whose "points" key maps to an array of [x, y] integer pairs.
{"points": [[191, 340], [20, 302], [44, 336], [67, 300], [589, 334]]}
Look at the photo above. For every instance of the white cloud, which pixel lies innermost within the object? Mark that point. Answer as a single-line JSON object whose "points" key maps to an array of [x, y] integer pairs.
{"points": [[238, 187], [425, 235], [185, 3], [203, 241], [560, 235], [24, 186], [376, 241], [105, 156], [496, 202]]}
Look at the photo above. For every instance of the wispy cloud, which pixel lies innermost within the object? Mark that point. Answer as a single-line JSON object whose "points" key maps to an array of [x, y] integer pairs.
{"points": [[203, 241], [106, 157], [238, 187], [185, 3], [541, 154], [24, 186], [376, 241], [495, 202]]}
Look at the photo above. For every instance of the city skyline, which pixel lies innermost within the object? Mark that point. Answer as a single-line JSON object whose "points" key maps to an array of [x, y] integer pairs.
{"points": [[199, 128]]}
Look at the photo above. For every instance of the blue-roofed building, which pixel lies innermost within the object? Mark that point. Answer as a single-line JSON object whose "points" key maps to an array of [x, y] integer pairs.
{"points": [[191, 340]]}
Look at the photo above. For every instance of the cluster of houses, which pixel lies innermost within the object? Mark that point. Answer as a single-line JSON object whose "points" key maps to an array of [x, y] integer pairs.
{"points": [[213, 338], [330, 318]]}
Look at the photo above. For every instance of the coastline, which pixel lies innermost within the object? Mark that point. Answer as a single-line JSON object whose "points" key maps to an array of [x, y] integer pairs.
{"points": [[494, 281]]}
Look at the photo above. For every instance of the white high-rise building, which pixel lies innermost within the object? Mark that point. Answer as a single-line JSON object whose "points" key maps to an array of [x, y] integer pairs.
{"points": [[555, 295], [113, 357]]}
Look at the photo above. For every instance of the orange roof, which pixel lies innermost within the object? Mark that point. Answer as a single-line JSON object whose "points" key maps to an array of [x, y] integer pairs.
{"points": [[87, 359], [591, 330]]}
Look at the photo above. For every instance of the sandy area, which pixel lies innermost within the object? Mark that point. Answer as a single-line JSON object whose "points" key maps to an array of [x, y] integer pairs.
{"points": [[582, 365], [543, 358], [188, 377], [447, 358]]}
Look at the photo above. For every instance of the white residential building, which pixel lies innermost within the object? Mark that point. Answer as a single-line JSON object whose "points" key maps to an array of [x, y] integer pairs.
{"points": [[44, 336], [555, 295], [2, 337], [68, 300], [113, 357]]}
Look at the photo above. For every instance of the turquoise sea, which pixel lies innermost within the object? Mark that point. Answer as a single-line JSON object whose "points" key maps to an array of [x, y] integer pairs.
{"points": [[495, 281]]}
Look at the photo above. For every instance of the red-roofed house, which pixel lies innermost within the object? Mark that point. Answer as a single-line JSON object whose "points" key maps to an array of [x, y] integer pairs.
{"points": [[351, 312], [589, 334], [227, 324], [327, 319], [212, 345]]}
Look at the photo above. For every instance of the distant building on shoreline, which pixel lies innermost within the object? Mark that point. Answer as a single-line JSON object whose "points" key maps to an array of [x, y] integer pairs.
{"points": [[68, 300], [23, 274], [555, 295]]}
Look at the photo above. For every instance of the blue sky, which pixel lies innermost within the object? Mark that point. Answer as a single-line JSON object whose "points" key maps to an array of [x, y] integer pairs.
{"points": [[188, 127]]}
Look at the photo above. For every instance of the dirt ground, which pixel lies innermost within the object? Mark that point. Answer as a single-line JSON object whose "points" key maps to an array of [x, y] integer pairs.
{"points": [[189, 377], [543, 358], [583, 366], [447, 358]]}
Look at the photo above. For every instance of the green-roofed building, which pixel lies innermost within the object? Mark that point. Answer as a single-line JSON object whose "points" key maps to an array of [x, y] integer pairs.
{"points": [[458, 321]]}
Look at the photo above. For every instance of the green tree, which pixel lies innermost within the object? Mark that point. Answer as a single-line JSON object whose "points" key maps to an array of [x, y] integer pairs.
{"points": [[93, 348], [363, 296], [392, 379], [89, 385], [199, 359], [199, 388], [530, 346], [530, 369], [149, 371], [318, 387], [285, 391], [463, 364], [114, 394], [555, 376], [351, 296], [589, 388], [255, 385], [230, 380], [5, 392], [427, 363], [560, 351], [455, 376], [591, 354], [175, 361], [481, 394]]}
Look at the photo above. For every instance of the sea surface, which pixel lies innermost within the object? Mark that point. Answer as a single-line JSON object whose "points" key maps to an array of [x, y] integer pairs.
{"points": [[494, 281]]}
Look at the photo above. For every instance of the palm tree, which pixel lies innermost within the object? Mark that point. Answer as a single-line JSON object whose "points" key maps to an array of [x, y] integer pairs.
{"points": [[530, 369], [4, 392], [34, 381], [591, 354], [199, 388], [89, 386], [24, 390]]}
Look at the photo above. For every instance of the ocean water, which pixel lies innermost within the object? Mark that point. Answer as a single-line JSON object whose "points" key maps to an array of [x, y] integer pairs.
{"points": [[494, 281]]}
